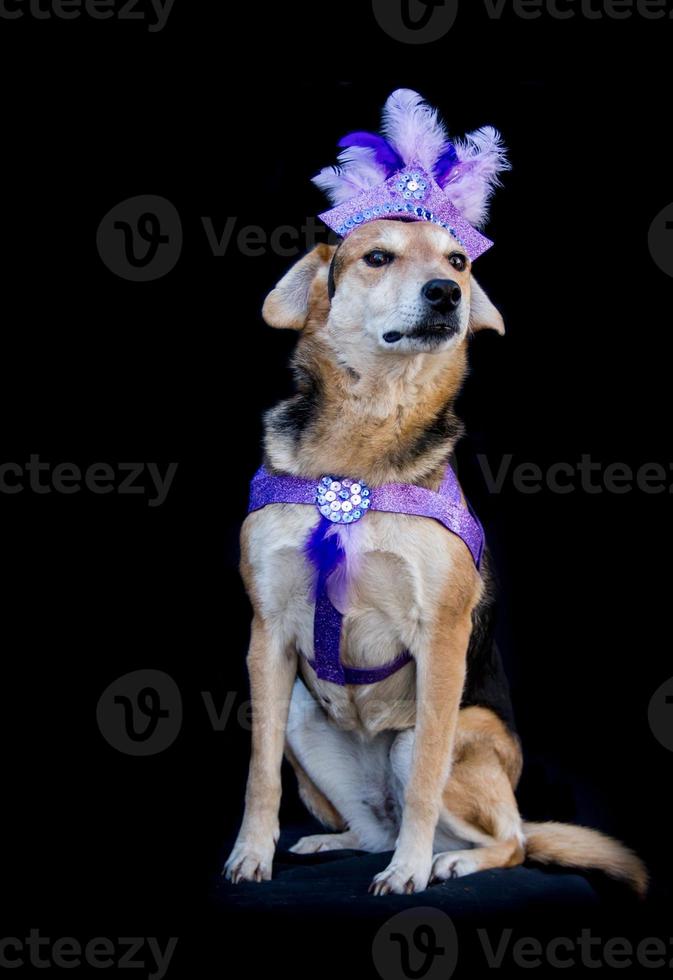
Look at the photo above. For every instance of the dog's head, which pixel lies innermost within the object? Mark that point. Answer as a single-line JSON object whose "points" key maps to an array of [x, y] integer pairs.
{"points": [[392, 288]]}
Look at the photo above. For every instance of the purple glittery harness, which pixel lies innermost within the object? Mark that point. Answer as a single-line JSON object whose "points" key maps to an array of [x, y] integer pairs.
{"points": [[345, 502]]}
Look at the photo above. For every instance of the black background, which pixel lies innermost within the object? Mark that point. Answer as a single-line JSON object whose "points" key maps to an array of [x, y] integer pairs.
{"points": [[227, 112]]}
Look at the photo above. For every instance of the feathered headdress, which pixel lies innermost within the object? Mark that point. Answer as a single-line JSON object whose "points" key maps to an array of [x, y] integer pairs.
{"points": [[415, 172]]}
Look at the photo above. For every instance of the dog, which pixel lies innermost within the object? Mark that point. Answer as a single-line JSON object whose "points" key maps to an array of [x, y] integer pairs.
{"points": [[424, 763]]}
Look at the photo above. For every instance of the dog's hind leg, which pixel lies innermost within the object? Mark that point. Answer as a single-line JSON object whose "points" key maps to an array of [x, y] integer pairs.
{"points": [[342, 778], [327, 842], [315, 802], [479, 826], [487, 821], [479, 805], [457, 864]]}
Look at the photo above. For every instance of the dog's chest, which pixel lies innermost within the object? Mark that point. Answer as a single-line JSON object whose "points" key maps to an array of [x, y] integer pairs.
{"points": [[387, 588]]}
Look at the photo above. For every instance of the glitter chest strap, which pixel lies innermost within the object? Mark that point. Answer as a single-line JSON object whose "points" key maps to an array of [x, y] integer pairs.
{"points": [[345, 502]]}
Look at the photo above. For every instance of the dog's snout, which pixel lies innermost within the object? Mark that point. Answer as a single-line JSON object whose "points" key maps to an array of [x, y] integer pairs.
{"points": [[443, 295]]}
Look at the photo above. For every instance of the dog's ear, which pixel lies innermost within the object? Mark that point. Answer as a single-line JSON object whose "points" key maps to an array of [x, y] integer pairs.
{"points": [[483, 314], [289, 303]]}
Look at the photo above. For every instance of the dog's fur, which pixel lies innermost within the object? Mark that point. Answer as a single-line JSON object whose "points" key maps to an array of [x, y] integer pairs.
{"points": [[424, 763]]}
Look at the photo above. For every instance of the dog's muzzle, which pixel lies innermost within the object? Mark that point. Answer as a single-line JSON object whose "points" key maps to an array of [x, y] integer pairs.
{"points": [[442, 298]]}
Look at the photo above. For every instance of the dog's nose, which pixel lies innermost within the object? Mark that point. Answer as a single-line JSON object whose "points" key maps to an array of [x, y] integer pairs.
{"points": [[443, 295]]}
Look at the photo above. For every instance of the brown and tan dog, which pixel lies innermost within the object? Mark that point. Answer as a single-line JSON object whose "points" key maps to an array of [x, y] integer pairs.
{"points": [[398, 765]]}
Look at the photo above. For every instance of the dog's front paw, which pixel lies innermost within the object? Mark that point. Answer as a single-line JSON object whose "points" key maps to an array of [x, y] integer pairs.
{"points": [[402, 878], [249, 862]]}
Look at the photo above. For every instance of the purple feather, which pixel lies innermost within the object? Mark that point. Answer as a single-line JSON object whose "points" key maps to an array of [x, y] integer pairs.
{"points": [[324, 552], [445, 164], [385, 154]]}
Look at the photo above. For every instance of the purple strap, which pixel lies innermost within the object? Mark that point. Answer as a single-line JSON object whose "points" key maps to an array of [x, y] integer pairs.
{"points": [[446, 506]]}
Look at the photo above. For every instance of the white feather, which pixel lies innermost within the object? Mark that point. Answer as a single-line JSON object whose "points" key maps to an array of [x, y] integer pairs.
{"points": [[357, 171], [414, 129], [483, 158]]}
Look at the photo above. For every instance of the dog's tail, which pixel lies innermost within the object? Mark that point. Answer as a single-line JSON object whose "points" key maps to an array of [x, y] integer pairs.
{"points": [[580, 847]]}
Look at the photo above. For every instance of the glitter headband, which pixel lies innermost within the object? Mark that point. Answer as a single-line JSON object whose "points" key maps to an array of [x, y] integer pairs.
{"points": [[414, 172]]}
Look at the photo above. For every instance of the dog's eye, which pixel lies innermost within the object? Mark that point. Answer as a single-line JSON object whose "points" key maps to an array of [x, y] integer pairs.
{"points": [[458, 261], [378, 258]]}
